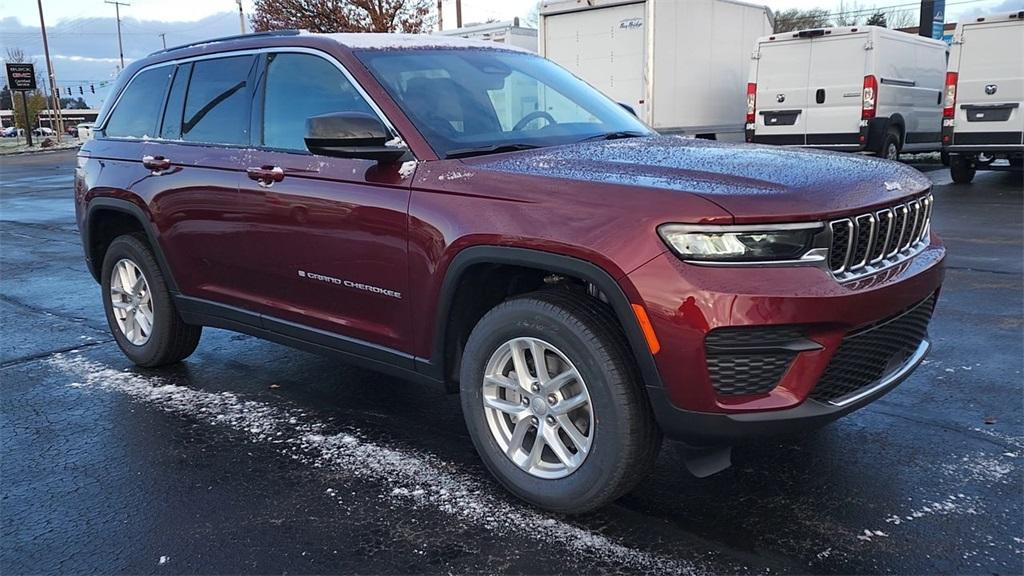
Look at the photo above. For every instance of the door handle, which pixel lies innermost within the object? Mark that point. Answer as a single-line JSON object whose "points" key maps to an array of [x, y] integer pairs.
{"points": [[156, 163], [819, 96], [265, 175]]}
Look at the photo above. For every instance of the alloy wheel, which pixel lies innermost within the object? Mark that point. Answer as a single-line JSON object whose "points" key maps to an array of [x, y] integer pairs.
{"points": [[538, 408], [131, 301]]}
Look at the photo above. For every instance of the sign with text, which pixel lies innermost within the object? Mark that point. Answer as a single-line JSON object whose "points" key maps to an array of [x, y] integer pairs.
{"points": [[21, 76]]}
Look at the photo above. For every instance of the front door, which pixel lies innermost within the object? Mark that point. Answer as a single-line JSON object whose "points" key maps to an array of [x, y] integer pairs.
{"points": [[326, 237]]}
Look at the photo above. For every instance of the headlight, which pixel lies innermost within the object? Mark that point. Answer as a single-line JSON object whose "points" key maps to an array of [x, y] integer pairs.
{"points": [[770, 243]]}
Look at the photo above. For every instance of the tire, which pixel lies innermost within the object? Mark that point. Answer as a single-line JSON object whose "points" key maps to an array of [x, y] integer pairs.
{"points": [[624, 439], [169, 338], [961, 169], [891, 146]]}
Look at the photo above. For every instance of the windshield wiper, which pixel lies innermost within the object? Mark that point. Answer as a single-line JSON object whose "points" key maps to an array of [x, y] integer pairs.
{"points": [[615, 135], [489, 149]]}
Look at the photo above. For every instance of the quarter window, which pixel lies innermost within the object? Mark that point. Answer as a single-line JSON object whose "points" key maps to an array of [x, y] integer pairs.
{"points": [[217, 103], [300, 86], [138, 110]]}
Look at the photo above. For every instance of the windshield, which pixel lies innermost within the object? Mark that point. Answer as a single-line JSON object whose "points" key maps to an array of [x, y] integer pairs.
{"points": [[480, 101]]}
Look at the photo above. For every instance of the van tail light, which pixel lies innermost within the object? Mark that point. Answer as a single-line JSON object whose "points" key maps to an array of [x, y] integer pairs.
{"points": [[751, 102], [949, 110], [869, 98]]}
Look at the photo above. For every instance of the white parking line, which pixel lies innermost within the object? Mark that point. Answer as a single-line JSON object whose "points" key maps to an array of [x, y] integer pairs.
{"points": [[406, 476]]}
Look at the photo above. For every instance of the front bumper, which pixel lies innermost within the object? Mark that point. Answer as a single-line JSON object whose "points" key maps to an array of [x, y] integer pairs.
{"points": [[687, 302]]}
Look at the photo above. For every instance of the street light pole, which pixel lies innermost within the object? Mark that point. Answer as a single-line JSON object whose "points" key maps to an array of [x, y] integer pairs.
{"points": [[54, 93], [163, 39], [117, 11], [241, 16]]}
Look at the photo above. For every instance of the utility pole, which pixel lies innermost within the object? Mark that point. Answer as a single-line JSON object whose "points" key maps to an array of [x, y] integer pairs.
{"points": [[54, 93], [241, 16], [440, 15], [458, 13], [163, 39], [117, 11]]}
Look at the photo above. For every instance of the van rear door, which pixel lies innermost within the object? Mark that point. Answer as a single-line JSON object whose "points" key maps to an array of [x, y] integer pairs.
{"points": [[990, 87], [604, 46], [782, 69], [834, 93]]}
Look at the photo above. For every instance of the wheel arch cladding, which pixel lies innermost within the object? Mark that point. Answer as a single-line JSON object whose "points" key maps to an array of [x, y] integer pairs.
{"points": [[541, 263], [108, 218]]}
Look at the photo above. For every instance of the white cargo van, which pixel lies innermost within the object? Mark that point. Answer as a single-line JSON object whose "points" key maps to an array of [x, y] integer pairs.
{"points": [[680, 65], [860, 88], [983, 123]]}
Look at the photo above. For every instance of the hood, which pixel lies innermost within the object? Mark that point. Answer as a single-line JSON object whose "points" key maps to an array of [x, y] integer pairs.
{"points": [[753, 183]]}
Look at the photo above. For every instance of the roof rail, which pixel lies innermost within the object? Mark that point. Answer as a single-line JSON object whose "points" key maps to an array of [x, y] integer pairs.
{"points": [[271, 33]]}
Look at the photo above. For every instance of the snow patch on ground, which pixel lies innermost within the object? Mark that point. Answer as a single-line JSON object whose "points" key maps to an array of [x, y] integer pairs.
{"points": [[980, 468], [405, 476], [952, 504]]}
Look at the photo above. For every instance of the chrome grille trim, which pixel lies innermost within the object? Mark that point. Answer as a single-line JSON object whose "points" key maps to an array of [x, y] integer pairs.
{"points": [[902, 231]]}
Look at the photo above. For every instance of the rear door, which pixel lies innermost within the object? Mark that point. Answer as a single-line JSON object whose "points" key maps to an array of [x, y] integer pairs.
{"points": [[990, 89], [603, 46], [836, 79], [782, 69]]}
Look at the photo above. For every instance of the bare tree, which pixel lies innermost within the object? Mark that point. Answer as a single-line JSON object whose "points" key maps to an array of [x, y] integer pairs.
{"points": [[344, 15], [901, 19], [796, 19], [848, 14]]}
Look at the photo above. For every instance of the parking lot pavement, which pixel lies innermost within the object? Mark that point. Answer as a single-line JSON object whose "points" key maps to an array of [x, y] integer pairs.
{"points": [[254, 458]]}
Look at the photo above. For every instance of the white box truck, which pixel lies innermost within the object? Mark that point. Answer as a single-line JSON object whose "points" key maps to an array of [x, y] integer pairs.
{"points": [[983, 120], [860, 88], [680, 65], [507, 32]]}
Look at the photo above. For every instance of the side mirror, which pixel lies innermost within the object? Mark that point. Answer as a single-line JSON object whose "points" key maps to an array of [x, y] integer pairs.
{"points": [[351, 135], [629, 109]]}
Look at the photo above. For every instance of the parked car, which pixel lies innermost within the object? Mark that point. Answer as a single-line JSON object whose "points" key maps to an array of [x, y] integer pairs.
{"points": [[861, 88], [12, 132], [43, 131], [586, 284], [983, 120], [84, 130], [682, 71]]}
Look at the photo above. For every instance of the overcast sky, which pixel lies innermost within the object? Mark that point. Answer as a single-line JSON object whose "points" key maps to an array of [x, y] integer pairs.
{"points": [[83, 40]]}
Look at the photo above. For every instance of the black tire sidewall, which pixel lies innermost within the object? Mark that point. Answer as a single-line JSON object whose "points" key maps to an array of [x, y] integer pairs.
{"points": [[891, 139], [160, 339], [528, 318]]}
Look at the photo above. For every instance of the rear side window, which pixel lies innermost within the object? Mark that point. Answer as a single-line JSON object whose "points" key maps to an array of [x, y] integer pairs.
{"points": [[299, 86], [218, 100], [138, 110]]}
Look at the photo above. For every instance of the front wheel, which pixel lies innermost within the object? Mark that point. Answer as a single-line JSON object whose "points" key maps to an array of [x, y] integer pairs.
{"points": [[141, 314], [554, 404]]}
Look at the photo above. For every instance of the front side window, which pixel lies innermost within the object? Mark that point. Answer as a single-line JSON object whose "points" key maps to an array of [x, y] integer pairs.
{"points": [[138, 110], [217, 101], [299, 86], [462, 99]]}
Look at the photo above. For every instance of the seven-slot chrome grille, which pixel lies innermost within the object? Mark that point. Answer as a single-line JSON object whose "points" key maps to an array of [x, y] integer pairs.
{"points": [[866, 243]]}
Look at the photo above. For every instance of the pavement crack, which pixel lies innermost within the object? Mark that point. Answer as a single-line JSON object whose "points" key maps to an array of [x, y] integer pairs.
{"points": [[928, 422], [45, 355]]}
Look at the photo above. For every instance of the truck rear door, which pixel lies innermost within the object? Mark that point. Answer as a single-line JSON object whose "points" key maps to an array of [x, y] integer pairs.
{"points": [[603, 46], [782, 69], [990, 87], [836, 79]]}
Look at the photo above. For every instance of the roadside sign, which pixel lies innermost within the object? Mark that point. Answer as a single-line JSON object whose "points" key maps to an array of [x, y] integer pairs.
{"points": [[21, 76]]}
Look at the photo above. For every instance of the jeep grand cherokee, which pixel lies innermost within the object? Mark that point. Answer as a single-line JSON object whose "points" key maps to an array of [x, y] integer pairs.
{"points": [[465, 213]]}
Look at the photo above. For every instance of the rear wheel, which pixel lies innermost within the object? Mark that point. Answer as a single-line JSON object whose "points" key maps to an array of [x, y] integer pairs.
{"points": [[891, 145], [141, 314], [554, 404], [961, 169]]}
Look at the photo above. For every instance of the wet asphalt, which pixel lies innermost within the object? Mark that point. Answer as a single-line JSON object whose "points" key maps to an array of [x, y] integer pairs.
{"points": [[250, 457]]}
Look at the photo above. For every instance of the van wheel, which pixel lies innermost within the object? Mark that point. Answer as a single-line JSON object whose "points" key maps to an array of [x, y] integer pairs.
{"points": [[141, 314], [961, 169], [553, 402], [891, 145]]}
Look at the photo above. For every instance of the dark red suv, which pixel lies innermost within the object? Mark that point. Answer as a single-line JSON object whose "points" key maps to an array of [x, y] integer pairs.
{"points": [[465, 213]]}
